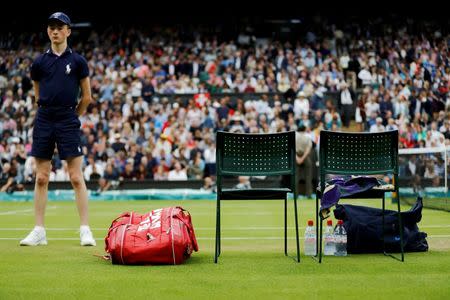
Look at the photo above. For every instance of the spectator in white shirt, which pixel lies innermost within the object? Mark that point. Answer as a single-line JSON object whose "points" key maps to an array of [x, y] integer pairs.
{"points": [[378, 126], [178, 173], [391, 125], [372, 107], [93, 168], [365, 76], [346, 104], [61, 174], [301, 105]]}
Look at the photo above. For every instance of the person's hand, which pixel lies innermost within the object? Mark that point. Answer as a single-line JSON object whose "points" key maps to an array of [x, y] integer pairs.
{"points": [[300, 160]]}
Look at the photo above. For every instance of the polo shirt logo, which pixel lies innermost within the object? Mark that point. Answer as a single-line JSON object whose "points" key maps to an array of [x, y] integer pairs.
{"points": [[68, 69]]}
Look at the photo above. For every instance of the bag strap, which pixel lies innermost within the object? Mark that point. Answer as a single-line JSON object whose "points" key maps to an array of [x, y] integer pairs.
{"points": [[122, 215], [171, 235], [122, 242], [114, 225], [106, 257], [185, 217]]}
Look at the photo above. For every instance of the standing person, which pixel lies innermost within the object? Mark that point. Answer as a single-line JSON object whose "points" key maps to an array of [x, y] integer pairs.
{"points": [[304, 158], [58, 74], [346, 104]]}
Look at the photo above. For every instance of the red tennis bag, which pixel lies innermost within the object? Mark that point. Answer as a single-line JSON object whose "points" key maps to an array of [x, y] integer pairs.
{"points": [[162, 236]]}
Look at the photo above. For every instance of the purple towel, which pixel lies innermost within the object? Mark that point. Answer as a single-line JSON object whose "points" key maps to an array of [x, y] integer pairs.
{"points": [[342, 187]]}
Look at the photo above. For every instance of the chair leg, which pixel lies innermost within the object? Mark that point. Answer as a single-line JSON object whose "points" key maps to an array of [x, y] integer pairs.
{"points": [[217, 246], [317, 223], [220, 233], [383, 212], [296, 230], [320, 240], [285, 225], [400, 224]]}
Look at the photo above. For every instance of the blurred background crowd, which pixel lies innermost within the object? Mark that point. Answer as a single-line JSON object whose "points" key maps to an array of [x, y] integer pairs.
{"points": [[161, 93]]}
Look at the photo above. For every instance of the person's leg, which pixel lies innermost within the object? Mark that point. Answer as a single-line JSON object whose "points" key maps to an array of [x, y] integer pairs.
{"points": [[308, 175], [69, 148], [347, 114], [43, 168], [81, 198], [79, 186], [38, 236], [299, 176]]}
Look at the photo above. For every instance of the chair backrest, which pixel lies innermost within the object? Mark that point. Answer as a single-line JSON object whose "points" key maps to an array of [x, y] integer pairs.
{"points": [[359, 153], [255, 154]]}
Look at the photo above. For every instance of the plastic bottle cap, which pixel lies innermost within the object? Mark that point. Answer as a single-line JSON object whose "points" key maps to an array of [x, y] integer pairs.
{"points": [[330, 223], [310, 223], [340, 222]]}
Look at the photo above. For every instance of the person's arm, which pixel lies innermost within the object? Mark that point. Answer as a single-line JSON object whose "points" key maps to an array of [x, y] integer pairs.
{"points": [[85, 96], [9, 182], [36, 92], [301, 159], [107, 186]]}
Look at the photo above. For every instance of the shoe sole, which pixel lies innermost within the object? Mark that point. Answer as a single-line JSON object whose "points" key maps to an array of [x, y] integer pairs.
{"points": [[43, 243], [88, 244]]}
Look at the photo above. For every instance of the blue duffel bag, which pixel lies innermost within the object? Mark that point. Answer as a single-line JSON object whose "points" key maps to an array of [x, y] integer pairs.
{"points": [[364, 229]]}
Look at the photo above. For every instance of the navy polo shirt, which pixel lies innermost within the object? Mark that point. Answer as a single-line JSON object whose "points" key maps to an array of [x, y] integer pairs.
{"points": [[59, 77]]}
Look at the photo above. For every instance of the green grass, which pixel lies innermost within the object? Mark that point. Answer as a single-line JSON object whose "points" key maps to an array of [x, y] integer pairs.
{"points": [[435, 202], [252, 264]]}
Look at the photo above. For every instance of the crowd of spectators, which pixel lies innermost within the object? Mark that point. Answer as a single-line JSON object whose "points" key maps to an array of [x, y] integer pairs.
{"points": [[140, 128]]}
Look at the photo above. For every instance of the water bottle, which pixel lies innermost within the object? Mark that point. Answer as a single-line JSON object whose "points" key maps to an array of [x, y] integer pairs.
{"points": [[328, 238], [340, 236], [310, 239]]}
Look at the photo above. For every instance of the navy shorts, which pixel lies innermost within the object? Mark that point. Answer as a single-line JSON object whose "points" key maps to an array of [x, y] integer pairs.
{"points": [[56, 126]]}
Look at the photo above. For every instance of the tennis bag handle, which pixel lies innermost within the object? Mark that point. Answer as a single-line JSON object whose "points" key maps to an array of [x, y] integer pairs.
{"points": [[185, 217]]}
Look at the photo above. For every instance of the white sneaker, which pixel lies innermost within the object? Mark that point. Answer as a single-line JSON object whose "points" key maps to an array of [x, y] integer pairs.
{"points": [[34, 238], [86, 238]]}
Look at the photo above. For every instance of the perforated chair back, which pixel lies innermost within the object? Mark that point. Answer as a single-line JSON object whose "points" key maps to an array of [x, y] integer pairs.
{"points": [[358, 153], [255, 154]]}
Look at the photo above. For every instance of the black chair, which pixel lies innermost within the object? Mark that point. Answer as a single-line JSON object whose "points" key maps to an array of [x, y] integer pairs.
{"points": [[346, 153], [256, 155]]}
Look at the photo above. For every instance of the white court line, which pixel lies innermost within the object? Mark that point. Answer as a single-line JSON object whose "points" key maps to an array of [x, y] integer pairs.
{"points": [[208, 214], [204, 239], [434, 226], [196, 228], [199, 228], [208, 239], [13, 212], [292, 238], [50, 229], [292, 227]]}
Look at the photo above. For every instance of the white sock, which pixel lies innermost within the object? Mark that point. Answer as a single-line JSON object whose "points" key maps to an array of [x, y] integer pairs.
{"points": [[84, 227], [39, 228]]}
